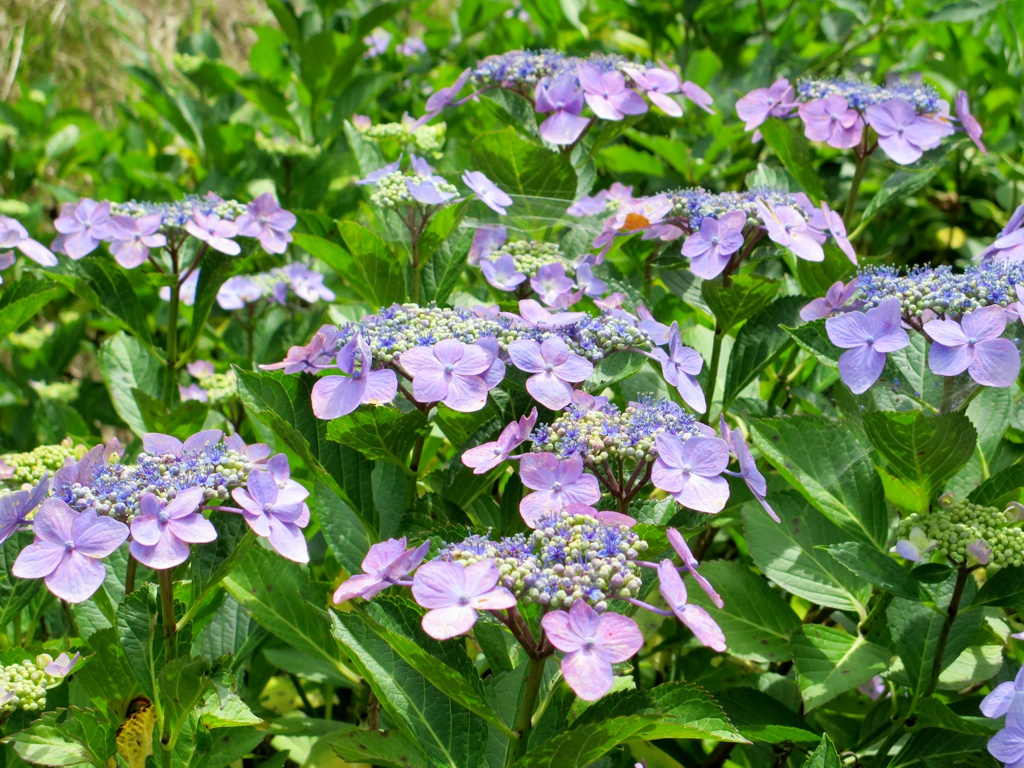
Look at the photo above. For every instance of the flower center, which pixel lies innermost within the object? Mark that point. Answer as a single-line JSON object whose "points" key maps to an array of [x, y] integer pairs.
{"points": [[268, 507], [686, 468], [69, 545], [163, 517], [449, 368], [588, 645], [870, 340], [549, 367], [556, 486], [714, 240], [464, 599], [972, 341]]}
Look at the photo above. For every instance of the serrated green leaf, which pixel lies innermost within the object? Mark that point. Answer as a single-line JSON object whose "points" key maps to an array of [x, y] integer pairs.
{"points": [[180, 685], [793, 149], [20, 301], [875, 567], [935, 747], [922, 448], [825, 756], [520, 167], [127, 365], [830, 661], [210, 563], [584, 745], [614, 368], [15, 593], [813, 338], [67, 737], [759, 717], [1003, 487], [106, 287], [373, 271], [1004, 588], [898, 186], [759, 342], [745, 297], [141, 633], [388, 749], [380, 432]]}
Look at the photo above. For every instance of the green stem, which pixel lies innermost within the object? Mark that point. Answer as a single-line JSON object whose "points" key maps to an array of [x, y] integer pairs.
{"points": [[948, 391], [716, 359], [171, 365], [534, 676], [962, 576], [414, 471], [165, 583], [858, 176], [129, 575]]}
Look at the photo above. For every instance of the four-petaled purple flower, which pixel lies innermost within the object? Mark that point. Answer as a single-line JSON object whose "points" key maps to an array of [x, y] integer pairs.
{"points": [[444, 97], [130, 239], [832, 121], [14, 235], [277, 514], [659, 83], [556, 483], [62, 665], [699, 621], [837, 297], [428, 192], [967, 120], [486, 457], [450, 372], [762, 103], [214, 231], [680, 366], [998, 702], [902, 133], [592, 643], [867, 337], [82, 227], [974, 345], [385, 565], [502, 273], [453, 594], [789, 229], [555, 369], [486, 240], [68, 548], [335, 396], [713, 244], [691, 471], [267, 221], [553, 286], [607, 94], [487, 191], [162, 531], [16, 507], [565, 99]]}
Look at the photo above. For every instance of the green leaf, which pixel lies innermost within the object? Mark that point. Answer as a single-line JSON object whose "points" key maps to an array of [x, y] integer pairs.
{"points": [[793, 149], [388, 749], [787, 554], [1003, 589], [210, 563], [584, 745], [613, 369], [380, 432], [127, 365], [829, 462], [935, 747], [181, 421], [922, 448], [1004, 486], [68, 737], [748, 295], [813, 338], [932, 713], [760, 342], [107, 681], [829, 662], [759, 717], [268, 99], [756, 620], [104, 284], [20, 301], [443, 249], [141, 633], [15, 593], [449, 734], [372, 270], [875, 567], [825, 756], [180, 685], [217, 268], [898, 186], [345, 532], [522, 168]]}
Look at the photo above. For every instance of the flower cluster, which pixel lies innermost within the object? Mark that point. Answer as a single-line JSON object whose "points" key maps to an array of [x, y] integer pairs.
{"points": [[411, 137], [18, 470], [940, 291], [573, 565], [23, 685], [908, 118], [424, 188], [307, 284], [964, 533], [559, 86], [208, 385], [529, 267]]}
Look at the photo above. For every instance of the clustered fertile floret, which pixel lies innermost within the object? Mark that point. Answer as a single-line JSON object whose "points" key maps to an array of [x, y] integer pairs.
{"points": [[529, 256], [693, 204], [176, 213], [524, 69], [208, 385], [23, 684], [861, 93], [20, 470], [939, 289], [963, 532], [425, 139]]}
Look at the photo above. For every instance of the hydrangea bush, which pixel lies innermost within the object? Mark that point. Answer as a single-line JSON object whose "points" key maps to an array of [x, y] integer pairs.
{"points": [[575, 430]]}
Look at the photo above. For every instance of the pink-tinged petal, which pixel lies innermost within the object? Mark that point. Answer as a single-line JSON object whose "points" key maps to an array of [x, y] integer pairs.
{"points": [[560, 631], [692, 394], [381, 556], [534, 507], [408, 561], [448, 351], [816, 310], [805, 246], [860, 368], [549, 390], [984, 323], [603, 107], [667, 104], [575, 368], [526, 355], [155, 443], [262, 487], [37, 252], [37, 560], [481, 577], [946, 332], [200, 440], [949, 361], [670, 450], [586, 490], [997, 703], [359, 585], [146, 529], [439, 584], [247, 502], [381, 387], [848, 331], [335, 396], [53, 522], [666, 478], [288, 541], [475, 361], [563, 128], [608, 517], [195, 529], [996, 363], [185, 503], [76, 578], [431, 386], [466, 394], [617, 638], [259, 523], [100, 536], [496, 599], [706, 455], [446, 623], [1015, 717], [704, 628], [537, 470], [168, 552], [703, 494], [899, 150], [419, 360], [589, 676]]}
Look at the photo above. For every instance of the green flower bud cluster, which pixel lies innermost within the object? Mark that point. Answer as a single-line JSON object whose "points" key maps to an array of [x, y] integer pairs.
{"points": [[220, 387], [529, 256], [62, 391], [25, 683], [956, 526], [25, 470], [427, 139], [392, 190], [279, 147]]}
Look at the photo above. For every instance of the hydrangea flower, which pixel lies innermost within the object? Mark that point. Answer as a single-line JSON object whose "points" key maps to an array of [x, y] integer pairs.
{"points": [[711, 247], [214, 231], [14, 235], [789, 229], [335, 396], [691, 471], [1007, 746], [162, 532], [678, 543], [82, 227], [867, 337], [428, 192], [385, 565], [487, 191], [563, 97], [131, 239], [556, 483], [762, 103], [17, 506], [696, 619], [453, 594], [749, 472], [680, 366], [968, 121], [606, 93], [267, 221], [832, 121], [555, 369], [902, 133], [450, 372], [502, 273], [553, 286], [592, 643], [836, 298], [999, 701], [68, 548], [277, 514], [486, 457], [974, 345]]}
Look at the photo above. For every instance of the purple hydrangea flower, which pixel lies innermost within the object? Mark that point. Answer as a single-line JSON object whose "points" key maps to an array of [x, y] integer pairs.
{"points": [[277, 514], [193, 392], [1009, 246], [998, 702], [453, 594], [968, 121], [902, 133], [680, 366], [832, 121], [162, 531], [386, 564], [335, 396], [502, 273], [427, 192], [556, 483], [789, 229], [311, 357], [555, 369], [762, 103], [749, 472], [837, 297], [82, 227], [238, 291], [589, 205], [698, 96], [486, 457], [131, 239], [607, 94], [678, 543], [552, 285], [974, 345], [14, 235], [565, 99], [256, 453], [450, 372], [691, 471], [214, 231], [592, 643], [62, 665], [1007, 746], [588, 282], [833, 222], [867, 337], [411, 46], [711, 247], [68, 548], [488, 192], [267, 221], [16, 507], [659, 332], [486, 240], [697, 620], [157, 443], [376, 43]]}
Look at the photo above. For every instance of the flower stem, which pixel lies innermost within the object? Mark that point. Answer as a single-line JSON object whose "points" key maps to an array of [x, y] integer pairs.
{"points": [[129, 575], [534, 675], [863, 158], [948, 391], [165, 582], [716, 359], [171, 365], [962, 575]]}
